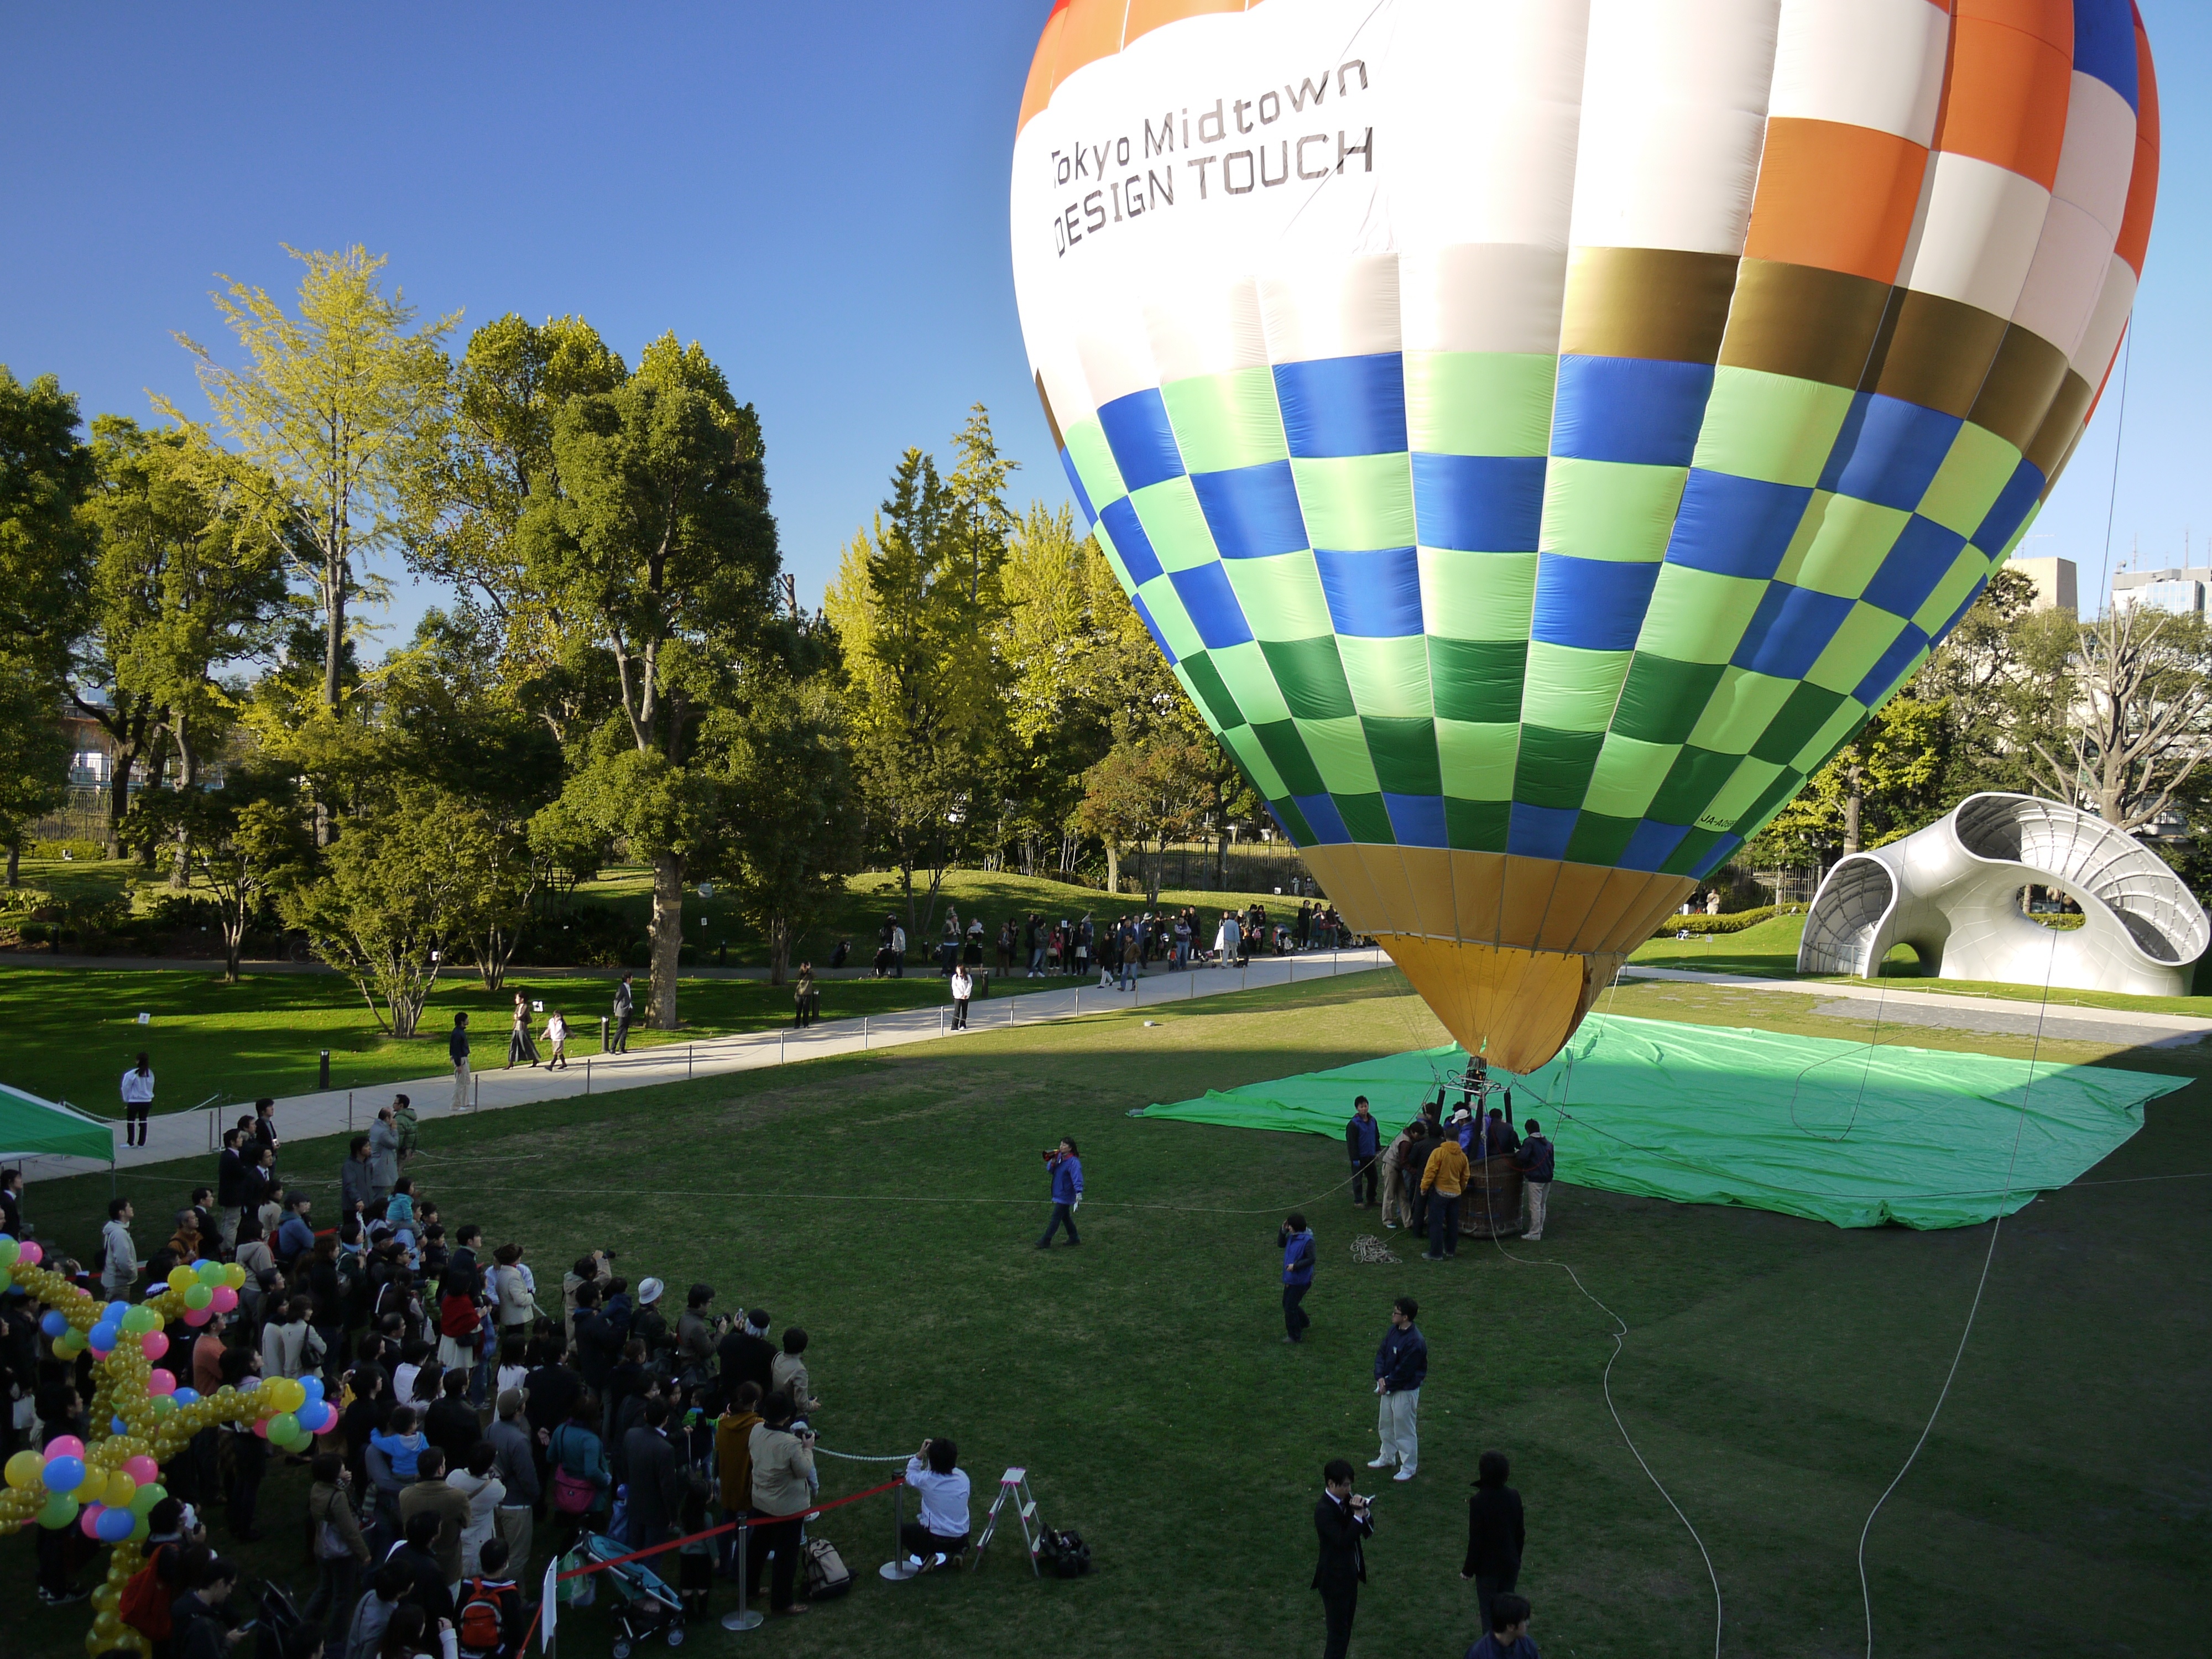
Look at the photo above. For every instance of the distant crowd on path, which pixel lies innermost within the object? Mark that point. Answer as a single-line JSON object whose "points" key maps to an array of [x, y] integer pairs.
{"points": [[480, 1419], [1120, 949]]}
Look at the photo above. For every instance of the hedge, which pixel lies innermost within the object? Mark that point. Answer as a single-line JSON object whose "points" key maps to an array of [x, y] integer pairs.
{"points": [[1734, 923]]}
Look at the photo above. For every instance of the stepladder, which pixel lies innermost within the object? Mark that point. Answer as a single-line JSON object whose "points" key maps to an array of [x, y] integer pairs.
{"points": [[1014, 1488]]}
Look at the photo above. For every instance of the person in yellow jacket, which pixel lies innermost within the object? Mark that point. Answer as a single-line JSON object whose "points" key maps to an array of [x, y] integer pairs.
{"points": [[1442, 1183]]}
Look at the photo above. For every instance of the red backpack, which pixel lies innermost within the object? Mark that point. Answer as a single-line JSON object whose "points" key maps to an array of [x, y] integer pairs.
{"points": [[144, 1603], [482, 1625]]}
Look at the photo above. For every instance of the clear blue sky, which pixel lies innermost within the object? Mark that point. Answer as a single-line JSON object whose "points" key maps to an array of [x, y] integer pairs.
{"points": [[816, 193]]}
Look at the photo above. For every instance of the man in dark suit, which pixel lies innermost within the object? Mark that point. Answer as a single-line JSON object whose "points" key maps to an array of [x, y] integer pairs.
{"points": [[1342, 1521]]}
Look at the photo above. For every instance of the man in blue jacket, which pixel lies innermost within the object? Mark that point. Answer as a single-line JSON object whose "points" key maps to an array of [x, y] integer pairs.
{"points": [[1536, 1159], [1296, 1242], [1363, 1140], [1400, 1366], [1066, 1170]]}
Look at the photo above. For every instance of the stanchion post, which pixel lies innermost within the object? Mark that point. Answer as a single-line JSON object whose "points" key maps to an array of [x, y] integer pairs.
{"points": [[587, 1074], [743, 1618]]}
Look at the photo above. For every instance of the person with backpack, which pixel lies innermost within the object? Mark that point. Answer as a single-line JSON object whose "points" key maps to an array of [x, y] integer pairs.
{"points": [[149, 1594], [1296, 1241], [341, 1555], [494, 1617], [201, 1618], [1536, 1161]]}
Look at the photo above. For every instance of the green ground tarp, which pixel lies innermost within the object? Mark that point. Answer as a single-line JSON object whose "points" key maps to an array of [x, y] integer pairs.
{"points": [[1838, 1131], [31, 1127]]}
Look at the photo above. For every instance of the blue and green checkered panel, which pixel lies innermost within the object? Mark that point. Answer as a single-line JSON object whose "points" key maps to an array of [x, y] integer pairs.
{"points": [[1609, 610]]}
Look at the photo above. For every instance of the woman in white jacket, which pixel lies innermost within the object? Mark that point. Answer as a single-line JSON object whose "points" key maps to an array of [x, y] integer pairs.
{"points": [[485, 1493], [285, 1340]]}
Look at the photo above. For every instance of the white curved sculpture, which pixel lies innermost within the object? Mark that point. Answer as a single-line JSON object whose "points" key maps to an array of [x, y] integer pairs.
{"points": [[1952, 891]]}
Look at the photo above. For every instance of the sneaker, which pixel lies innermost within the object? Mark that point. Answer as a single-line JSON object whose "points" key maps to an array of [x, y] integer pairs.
{"points": [[1403, 1474], [1381, 1462], [1431, 1255], [1391, 1225], [938, 1559], [47, 1598]]}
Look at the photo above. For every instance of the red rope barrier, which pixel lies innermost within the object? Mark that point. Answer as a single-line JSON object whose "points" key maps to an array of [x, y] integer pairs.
{"points": [[693, 1537]]}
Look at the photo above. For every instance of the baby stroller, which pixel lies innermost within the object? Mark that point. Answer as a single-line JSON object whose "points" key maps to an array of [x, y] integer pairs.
{"points": [[641, 1604]]}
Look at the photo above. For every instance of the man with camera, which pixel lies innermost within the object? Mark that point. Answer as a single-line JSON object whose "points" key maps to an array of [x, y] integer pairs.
{"points": [[1066, 1169], [1343, 1520]]}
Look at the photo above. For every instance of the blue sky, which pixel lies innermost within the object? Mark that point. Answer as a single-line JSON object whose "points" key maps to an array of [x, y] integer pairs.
{"points": [[816, 193]]}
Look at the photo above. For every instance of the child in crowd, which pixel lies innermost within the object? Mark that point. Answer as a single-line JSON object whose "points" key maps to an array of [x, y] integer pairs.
{"points": [[401, 1444]]}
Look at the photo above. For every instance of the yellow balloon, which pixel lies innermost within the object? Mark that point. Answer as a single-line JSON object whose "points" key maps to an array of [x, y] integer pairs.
{"points": [[121, 1488]]}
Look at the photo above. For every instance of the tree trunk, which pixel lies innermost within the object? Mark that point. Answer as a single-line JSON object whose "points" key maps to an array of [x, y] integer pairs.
{"points": [[15, 864], [234, 942], [188, 775], [333, 632], [119, 795], [779, 949], [667, 936], [1113, 868], [1852, 800]]}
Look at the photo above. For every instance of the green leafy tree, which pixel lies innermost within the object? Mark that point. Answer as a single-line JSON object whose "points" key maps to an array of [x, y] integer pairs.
{"points": [[791, 832], [496, 458], [1886, 783], [658, 536], [336, 406], [181, 587], [1149, 788], [918, 606], [385, 900], [242, 845], [45, 471]]}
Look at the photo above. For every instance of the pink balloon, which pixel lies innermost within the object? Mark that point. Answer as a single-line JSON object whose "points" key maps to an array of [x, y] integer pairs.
{"points": [[159, 1383], [223, 1298], [154, 1345], [31, 1254], [88, 1521], [197, 1316], [143, 1470], [261, 1427], [65, 1446]]}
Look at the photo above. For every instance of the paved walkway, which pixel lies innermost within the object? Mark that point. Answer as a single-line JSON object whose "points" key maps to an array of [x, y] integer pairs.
{"points": [[302, 1117], [2014, 1017]]}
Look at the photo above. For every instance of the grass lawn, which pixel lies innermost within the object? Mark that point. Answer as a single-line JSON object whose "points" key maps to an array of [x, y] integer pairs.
{"points": [[1775, 1374], [69, 1033], [1769, 951]]}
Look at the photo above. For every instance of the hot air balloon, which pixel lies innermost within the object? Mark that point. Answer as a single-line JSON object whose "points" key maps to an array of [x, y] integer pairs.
{"points": [[1539, 432]]}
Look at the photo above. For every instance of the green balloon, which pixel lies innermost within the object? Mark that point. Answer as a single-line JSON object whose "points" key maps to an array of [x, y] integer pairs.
{"points": [[140, 1320], [199, 1296], [61, 1509], [146, 1497]]}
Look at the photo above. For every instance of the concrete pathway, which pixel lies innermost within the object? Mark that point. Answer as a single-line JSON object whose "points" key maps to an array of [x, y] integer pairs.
{"points": [[303, 1117], [1901, 1005]]}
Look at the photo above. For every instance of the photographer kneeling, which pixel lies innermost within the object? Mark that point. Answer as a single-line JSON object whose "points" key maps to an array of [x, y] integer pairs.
{"points": [[941, 1533]]}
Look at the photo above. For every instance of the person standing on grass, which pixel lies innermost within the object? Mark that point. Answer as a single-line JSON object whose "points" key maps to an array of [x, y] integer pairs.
{"points": [[625, 1008], [1508, 1636], [1033, 945], [783, 1487], [963, 988], [138, 1101], [802, 993], [355, 1189], [1363, 1140], [1132, 950], [1535, 1161], [1296, 1241], [1344, 1521], [1495, 1536], [1442, 1182], [519, 1045], [383, 1156], [231, 1187], [11, 1203], [118, 1269], [1066, 1171], [556, 1042], [265, 1122], [1402, 1365]]}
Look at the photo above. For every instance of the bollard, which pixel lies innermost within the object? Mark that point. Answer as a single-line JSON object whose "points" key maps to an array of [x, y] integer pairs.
{"points": [[603, 1034], [687, 1062], [348, 1111], [587, 1074], [864, 1030], [323, 1081], [742, 1619]]}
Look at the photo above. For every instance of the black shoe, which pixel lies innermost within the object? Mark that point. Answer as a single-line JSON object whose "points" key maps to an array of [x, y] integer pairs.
{"points": [[1043, 1244]]}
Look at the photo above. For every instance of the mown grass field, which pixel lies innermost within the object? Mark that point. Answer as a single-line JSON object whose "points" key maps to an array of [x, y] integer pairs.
{"points": [[1775, 1372]]}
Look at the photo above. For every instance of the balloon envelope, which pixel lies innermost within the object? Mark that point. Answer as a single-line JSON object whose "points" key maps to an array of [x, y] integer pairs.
{"points": [[1539, 433]]}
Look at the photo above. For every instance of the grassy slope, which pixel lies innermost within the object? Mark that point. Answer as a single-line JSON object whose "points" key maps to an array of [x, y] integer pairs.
{"points": [[1776, 1373], [1769, 951]]}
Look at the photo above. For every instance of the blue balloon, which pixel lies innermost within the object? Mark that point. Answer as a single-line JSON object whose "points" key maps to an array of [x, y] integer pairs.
{"points": [[248, 1384], [54, 1323], [117, 1425], [63, 1474], [313, 1387], [104, 1336], [186, 1396], [115, 1525]]}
